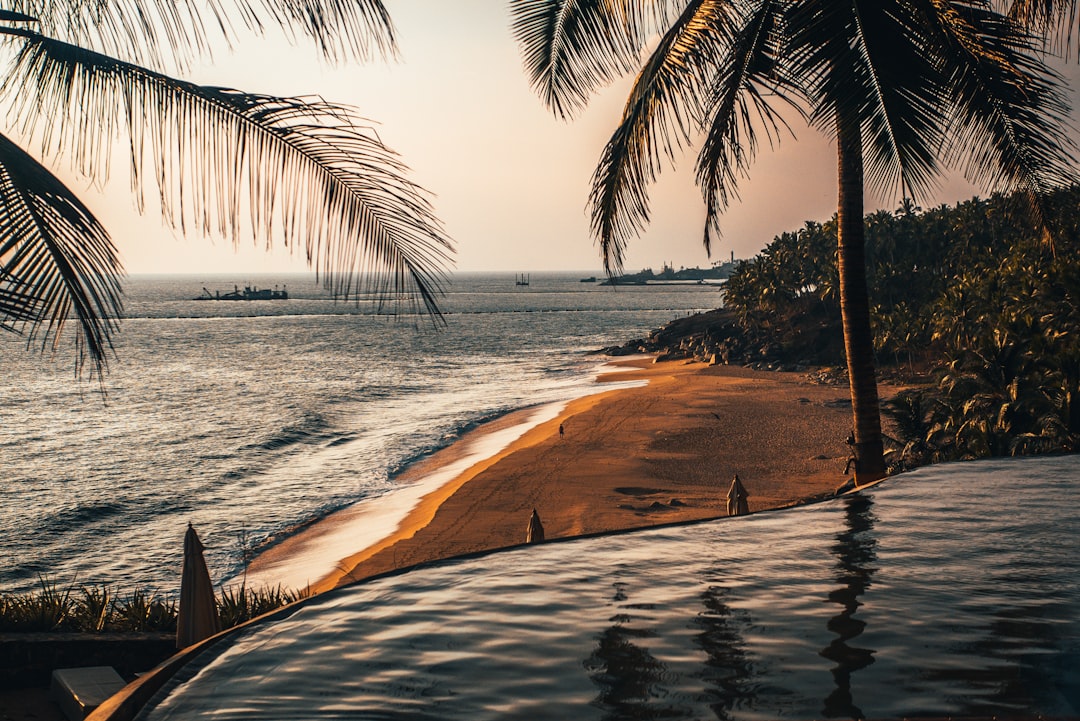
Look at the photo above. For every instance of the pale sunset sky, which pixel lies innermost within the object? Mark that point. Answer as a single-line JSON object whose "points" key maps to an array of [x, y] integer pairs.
{"points": [[508, 179]]}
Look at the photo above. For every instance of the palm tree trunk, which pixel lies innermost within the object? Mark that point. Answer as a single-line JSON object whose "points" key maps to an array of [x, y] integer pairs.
{"points": [[855, 305]]}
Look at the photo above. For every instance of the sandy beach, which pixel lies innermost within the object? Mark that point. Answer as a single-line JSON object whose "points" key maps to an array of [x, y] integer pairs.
{"points": [[632, 455], [661, 452]]}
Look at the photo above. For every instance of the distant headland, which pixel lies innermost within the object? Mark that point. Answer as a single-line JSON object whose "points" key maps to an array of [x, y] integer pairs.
{"points": [[669, 276]]}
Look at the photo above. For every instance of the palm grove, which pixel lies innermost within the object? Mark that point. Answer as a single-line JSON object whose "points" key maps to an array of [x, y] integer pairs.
{"points": [[908, 88], [971, 308]]}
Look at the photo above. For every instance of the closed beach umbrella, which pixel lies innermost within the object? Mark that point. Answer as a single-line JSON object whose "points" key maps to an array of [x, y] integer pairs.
{"points": [[535, 532], [736, 498], [197, 618]]}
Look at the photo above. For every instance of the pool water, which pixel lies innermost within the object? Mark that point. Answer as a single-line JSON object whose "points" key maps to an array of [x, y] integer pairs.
{"points": [[949, 591]]}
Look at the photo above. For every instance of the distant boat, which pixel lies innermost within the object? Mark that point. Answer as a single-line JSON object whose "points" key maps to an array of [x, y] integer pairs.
{"points": [[248, 293], [521, 279], [590, 279]]}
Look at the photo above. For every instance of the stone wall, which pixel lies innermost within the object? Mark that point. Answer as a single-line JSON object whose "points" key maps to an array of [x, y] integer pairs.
{"points": [[27, 660]]}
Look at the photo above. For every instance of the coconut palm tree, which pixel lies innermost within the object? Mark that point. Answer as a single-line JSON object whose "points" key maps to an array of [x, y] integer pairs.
{"points": [[906, 87], [302, 172], [1055, 21]]}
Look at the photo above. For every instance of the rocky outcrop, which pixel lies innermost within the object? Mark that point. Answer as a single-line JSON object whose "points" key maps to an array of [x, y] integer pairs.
{"points": [[716, 337], [712, 337]]}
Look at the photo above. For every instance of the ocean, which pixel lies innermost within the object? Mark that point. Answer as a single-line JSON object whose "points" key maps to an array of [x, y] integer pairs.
{"points": [[251, 419]]}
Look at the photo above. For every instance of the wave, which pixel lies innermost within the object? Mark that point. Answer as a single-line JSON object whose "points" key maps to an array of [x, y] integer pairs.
{"points": [[258, 449], [78, 517], [37, 569], [311, 428], [261, 544], [448, 438]]}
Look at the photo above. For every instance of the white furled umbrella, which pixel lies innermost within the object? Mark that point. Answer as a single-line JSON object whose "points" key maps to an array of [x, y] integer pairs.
{"points": [[535, 532], [197, 618], [736, 498]]}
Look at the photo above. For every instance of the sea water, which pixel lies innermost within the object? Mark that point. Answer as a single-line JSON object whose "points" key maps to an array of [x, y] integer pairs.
{"points": [[951, 591], [251, 419]]}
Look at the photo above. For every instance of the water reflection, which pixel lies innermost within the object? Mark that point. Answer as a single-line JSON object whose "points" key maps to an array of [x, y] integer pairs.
{"points": [[855, 551], [1020, 660], [729, 668], [628, 676], [974, 611]]}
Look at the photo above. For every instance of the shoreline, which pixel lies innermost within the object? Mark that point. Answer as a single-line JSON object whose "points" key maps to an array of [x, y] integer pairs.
{"points": [[314, 555], [661, 449]]}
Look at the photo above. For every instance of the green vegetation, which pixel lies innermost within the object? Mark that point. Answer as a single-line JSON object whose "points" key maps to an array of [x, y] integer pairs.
{"points": [[972, 300], [908, 90], [98, 609]]}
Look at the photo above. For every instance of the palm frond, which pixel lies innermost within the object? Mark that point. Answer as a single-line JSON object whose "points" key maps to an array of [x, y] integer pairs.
{"points": [[55, 260], [1010, 121], [572, 47], [748, 74], [10, 16], [167, 33], [342, 29], [666, 106], [303, 170], [1053, 20], [868, 62]]}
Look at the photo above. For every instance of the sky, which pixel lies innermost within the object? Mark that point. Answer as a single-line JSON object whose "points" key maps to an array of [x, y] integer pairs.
{"points": [[509, 181]]}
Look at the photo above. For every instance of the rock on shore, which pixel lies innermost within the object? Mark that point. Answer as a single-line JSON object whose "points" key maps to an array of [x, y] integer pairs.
{"points": [[716, 337]]}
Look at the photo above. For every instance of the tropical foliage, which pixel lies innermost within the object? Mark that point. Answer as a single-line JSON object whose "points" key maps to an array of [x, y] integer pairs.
{"points": [[301, 172], [907, 88], [97, 609], [971, 294]]}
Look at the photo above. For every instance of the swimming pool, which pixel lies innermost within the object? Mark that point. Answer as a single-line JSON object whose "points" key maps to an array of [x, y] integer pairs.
{"points": [[949, 591]]}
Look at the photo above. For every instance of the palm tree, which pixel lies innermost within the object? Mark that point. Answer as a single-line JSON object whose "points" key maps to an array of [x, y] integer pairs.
{"points": [[906, 87], [300, 171], [1054, 20]]}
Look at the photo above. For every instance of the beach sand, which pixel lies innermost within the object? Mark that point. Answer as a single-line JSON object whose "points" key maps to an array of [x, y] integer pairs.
{"points": [[658, 453], [663, 451]]}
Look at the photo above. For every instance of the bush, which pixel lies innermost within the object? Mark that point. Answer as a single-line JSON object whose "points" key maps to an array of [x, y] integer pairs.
{"points": [[98, 609]]}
